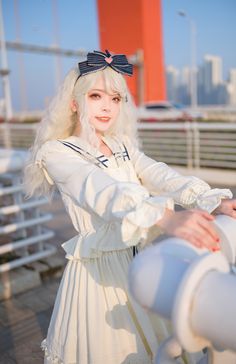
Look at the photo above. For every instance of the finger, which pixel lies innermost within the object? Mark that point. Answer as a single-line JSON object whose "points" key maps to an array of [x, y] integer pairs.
{"points": [[194, 241], [199, 222], [209, 229], [206, 239], [190, 237], [200, 238]]}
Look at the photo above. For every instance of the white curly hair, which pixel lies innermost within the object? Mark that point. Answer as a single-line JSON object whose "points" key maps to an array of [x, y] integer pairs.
{"points": [[59, 121]]}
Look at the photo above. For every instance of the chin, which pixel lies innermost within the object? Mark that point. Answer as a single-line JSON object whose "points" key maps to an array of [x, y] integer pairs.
{"points": [[103, 128]]}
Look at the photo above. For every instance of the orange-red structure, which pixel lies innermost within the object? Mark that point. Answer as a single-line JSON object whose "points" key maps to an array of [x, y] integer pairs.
{"points": [[126, 26]]}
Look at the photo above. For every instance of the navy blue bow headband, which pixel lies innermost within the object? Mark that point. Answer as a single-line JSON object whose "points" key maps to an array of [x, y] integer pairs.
{"points": [[97, 61]]}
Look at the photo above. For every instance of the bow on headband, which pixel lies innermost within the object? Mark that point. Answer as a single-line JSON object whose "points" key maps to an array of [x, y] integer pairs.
{"points": [[97, 61]]}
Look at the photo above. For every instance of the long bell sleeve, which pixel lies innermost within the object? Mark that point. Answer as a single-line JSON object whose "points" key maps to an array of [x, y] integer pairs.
{"points": [[160, 179], [127, 203]]}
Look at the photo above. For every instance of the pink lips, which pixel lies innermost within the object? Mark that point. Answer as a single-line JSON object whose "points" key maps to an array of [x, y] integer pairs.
{"points": [[103, 119]]}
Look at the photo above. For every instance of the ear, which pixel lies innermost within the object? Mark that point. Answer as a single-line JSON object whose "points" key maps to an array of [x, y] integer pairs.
{"points": [[73, 106]]}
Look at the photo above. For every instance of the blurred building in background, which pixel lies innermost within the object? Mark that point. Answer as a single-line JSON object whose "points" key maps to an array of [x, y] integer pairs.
{"points": [[210, 81], [172, 76], [211, 88], [231, 89]]}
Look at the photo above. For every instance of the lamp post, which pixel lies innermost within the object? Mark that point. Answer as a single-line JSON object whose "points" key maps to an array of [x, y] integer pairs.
{"points": [[4, 69], [193, 79], [4, 73]]}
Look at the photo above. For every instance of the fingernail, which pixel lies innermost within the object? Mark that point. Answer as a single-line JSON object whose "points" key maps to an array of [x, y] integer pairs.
{"points": [[215, 249]]}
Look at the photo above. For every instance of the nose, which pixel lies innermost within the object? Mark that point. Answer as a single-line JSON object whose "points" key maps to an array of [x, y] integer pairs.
{"points": [[106, 105]]}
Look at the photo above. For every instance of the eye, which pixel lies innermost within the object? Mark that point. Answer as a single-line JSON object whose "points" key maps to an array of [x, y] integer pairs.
{"points": [[95, 96], [116, 99]]}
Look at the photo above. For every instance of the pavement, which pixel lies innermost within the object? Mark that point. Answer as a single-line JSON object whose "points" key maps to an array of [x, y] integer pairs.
{"points": [[24, 318]]}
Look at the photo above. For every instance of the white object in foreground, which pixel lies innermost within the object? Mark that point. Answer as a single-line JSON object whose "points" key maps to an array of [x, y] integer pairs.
{"points": [[193, 288]]}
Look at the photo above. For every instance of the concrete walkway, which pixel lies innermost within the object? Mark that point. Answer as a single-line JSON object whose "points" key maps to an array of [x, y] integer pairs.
{"points": [[23, 324], [24, 318]]}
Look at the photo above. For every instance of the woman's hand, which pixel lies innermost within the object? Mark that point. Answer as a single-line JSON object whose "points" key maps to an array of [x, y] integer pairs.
{"points": [[192, 225], [227, 207]]}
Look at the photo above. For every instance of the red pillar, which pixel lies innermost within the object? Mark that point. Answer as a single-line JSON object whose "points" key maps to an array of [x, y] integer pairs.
{"points": [[126, 26]]}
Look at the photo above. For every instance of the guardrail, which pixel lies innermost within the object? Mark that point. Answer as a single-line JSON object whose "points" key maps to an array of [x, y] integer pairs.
{"points": [[17, 135], [218, 112], [192, 145], [23, 238]]}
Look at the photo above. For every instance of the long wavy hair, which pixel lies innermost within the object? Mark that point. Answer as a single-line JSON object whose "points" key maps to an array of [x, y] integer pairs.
{"points": [[59, 122]]}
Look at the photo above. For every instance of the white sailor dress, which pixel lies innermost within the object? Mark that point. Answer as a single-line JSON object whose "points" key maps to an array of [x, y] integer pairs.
{"points": [[112, 202]]}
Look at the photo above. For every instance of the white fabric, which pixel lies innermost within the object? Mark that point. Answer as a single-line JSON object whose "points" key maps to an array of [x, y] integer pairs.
{"points": [[94, 320]]}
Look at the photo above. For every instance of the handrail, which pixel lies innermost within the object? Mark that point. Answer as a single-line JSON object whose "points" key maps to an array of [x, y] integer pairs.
{"points": [[192, 145], [23, 235]]}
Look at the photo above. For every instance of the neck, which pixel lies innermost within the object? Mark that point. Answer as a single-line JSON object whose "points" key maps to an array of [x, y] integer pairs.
{"points": [[99, 136], [77, 132]]}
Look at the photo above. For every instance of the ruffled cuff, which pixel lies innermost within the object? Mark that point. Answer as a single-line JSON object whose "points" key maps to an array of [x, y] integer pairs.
{"points": [[200, 195], [210, 200], [137, 223]]}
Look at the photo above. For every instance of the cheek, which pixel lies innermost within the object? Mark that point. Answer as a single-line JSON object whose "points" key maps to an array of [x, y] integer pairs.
{"points": [[116, 110], [93, 108]]}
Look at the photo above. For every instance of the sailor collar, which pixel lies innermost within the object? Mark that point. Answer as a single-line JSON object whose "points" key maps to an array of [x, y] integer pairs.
{"points": [[86, 151]]}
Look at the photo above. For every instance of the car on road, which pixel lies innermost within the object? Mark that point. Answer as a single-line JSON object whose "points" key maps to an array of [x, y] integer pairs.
{"points": [[194, 113], [166, 111]]}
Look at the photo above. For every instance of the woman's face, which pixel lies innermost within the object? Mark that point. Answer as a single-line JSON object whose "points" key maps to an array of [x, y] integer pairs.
{"points": [[103, 107]]}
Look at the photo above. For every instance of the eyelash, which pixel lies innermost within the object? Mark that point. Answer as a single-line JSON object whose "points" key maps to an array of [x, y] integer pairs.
{"points": [[116, 99], [94, 95], [97, 96]]}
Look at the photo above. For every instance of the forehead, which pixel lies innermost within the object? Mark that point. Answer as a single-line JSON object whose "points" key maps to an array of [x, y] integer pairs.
{"points": [[101, 84]]}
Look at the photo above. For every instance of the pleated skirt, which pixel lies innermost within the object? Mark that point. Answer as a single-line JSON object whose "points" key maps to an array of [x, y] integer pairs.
{"points": [[96, 321]]}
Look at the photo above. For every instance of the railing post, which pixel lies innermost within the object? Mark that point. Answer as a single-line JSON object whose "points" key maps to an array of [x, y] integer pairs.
{"points": [[189, 144], [196, 144], [7, 135]]}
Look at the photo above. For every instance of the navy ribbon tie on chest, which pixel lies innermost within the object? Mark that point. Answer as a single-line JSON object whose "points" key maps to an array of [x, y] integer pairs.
{"points": [[99, 60]]}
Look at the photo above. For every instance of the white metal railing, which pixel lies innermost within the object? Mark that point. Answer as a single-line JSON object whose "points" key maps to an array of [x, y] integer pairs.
{"points": [[17, 135], [22, 234], [191, 144], [218, 112], [187, 144]]}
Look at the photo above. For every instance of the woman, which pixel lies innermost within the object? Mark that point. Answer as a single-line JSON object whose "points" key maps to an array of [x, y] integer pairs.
{"points": [[86, 147]]}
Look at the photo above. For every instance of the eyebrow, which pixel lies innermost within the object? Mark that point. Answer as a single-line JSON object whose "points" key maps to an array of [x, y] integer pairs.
{"points": [[100, 90]]}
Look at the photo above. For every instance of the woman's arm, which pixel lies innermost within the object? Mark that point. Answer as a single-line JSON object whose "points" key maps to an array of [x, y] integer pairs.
{"points": [[92, 189], [160, 179]]}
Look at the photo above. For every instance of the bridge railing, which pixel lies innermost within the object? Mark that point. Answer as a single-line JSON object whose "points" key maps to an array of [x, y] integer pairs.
{"points": [[23, 236], [18, 136], [192, 145]]}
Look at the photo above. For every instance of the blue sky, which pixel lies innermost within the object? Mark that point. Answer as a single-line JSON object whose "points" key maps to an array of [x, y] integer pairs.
{"points": [[78, 29], [215, 25]]}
